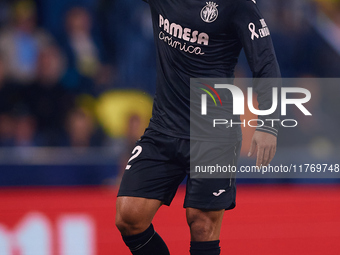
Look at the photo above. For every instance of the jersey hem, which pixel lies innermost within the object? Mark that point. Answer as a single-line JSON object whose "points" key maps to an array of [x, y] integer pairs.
{"points": [[154, 126]]}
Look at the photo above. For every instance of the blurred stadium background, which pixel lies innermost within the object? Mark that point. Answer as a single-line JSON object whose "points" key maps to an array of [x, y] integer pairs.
{"points": [[76, 86]]}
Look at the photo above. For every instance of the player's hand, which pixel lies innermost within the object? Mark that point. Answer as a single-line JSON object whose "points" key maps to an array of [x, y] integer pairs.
{"points": [[266, 147]]}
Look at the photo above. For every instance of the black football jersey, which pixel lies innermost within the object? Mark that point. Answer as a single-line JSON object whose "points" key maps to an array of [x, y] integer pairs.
{"points": [[203, 39]]}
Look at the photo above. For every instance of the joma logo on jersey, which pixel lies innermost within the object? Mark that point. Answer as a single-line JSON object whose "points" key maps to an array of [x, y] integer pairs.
{"points": [[238, 100], [186, 34]]}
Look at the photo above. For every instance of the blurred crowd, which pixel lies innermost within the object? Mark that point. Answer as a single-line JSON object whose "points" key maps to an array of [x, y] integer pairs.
{"points": [[52, 53], [58, 59], [306, 36]]}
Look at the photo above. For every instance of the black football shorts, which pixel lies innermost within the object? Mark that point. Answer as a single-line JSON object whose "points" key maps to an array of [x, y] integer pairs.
{"points": [[159, 163]]}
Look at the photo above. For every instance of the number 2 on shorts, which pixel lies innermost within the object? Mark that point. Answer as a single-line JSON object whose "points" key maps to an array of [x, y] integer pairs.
{"points": [[136, 151]]}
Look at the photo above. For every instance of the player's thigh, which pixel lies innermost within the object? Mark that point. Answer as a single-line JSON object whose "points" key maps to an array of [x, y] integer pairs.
{"points": [[153, 171], [205, 225], [134, 214], [217, 191]]}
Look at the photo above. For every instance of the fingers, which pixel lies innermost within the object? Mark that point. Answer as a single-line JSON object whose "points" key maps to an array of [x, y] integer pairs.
{"points": [[252, 148], [266, 148], [266, 156], [272, 154], [269, 154], [260, 155]]}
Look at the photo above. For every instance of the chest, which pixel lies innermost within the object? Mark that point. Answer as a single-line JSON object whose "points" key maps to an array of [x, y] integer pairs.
{"points": [[188, 19]]}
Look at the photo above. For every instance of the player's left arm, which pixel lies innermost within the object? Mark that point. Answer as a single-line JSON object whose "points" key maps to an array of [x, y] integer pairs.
{"points": [[254, 35]]}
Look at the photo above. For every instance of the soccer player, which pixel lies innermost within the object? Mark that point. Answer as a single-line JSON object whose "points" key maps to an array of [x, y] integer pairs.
{"points": [[193, 39]]}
